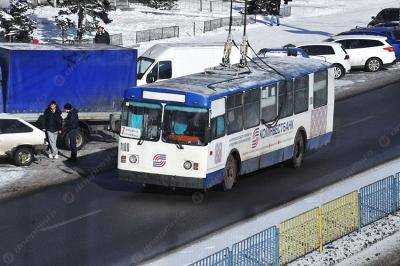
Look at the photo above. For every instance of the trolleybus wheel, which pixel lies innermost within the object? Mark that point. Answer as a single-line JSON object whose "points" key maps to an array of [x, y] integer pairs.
{"points": [[230, 174], [298, 151]]}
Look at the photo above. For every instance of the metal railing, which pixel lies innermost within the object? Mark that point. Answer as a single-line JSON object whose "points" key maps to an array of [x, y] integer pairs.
{"points": [[285, 11], [313, 229], [212, 6], [157, 34], [214, 24]]}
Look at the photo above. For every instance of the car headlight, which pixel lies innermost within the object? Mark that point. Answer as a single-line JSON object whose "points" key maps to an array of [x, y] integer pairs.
{"points": [[187, 165], [134, 159]]}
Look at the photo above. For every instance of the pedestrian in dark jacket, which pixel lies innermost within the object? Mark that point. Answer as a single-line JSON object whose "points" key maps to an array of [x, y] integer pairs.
{"points": [[72, 129], [274, 10], [52, 126], [102, 36]]}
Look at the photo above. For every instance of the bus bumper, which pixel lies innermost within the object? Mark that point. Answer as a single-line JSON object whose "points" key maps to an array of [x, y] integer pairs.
{"points": [[162, 180]]}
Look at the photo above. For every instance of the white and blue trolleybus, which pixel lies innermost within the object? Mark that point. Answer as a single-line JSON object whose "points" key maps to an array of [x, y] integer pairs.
{"points": [[209, 128]]}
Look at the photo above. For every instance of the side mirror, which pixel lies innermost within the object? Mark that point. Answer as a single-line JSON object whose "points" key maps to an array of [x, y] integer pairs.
{"points": [[114, 124], [150, 78], [373, 17]]}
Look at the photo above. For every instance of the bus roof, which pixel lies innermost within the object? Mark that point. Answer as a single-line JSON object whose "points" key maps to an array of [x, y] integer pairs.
{"points": [[201, 88]]}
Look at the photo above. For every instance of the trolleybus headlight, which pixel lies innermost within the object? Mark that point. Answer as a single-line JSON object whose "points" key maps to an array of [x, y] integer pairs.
{"points": [[134, 159], [187, 165]]}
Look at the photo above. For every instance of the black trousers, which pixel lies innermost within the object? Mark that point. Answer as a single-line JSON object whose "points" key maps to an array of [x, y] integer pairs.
{"points": [[72, 142]]}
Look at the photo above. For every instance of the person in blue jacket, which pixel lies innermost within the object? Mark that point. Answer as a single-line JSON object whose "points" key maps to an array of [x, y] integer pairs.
{"points": [[72, 129]]}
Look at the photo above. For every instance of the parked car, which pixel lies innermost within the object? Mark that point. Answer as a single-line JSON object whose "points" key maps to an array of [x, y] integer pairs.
{"points": [[385, 15], [392, 34], [367, 51], [20, 140], [332, 53], [285, 51]]}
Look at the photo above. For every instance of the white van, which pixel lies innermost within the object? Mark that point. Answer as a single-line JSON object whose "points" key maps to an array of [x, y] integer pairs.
{"points": [[171, 60]]}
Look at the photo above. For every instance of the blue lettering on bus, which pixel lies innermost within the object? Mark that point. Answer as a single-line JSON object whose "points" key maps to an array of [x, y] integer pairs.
{"points": [[278, 129]]}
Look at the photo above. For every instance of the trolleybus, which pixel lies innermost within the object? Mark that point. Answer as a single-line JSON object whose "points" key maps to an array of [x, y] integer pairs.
{"points": [[209, 128]]}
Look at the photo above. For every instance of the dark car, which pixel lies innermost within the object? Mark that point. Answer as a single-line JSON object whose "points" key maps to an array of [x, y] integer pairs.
{"points": [[285, 51], [392, 34], [386, 15]]}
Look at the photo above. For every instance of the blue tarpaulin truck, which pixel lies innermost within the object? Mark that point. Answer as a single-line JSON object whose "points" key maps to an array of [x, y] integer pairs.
{"points": [[91, 78]]}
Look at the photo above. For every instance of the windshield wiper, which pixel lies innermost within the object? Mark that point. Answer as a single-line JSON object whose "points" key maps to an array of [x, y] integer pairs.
{"points": [[140, 142], [178, 144]]}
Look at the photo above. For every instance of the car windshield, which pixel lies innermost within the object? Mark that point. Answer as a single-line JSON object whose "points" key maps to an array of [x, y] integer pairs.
{"points": [[143, 63], [185, 125], [141, 120]]}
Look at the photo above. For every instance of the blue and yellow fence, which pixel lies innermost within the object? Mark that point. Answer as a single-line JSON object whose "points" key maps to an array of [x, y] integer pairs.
{"points": [[313, 229]]}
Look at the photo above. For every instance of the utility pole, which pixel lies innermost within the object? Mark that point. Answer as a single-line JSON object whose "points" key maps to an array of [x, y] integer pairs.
{"points": [[244, 44], [228, 44]]}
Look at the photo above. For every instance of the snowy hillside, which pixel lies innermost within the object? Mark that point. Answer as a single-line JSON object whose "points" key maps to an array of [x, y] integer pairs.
{"points": [[311, 20]]}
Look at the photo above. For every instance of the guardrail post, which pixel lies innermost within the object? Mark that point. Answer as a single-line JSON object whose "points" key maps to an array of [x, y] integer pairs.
{"points": [[395, 191], [320, 229], [359, 212], [277, 247]]}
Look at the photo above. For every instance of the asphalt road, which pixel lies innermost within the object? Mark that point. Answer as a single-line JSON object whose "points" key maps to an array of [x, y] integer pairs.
{"points": [[80, 223]]}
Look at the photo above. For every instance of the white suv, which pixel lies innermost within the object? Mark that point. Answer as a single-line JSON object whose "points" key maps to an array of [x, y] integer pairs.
{"points": [[20, 140], [332, 53], [367, 51]]}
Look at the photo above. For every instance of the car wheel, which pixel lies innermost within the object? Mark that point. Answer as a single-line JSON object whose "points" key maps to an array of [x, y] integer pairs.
{"points": [[373, 64], [230, 174], [298, 151], [23, 156], [338, 71]]}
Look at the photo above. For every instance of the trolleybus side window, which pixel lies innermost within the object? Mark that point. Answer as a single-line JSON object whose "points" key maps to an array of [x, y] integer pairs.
{"points": [[234, 107], [268, 103], [252, 108], [217, 127], [285, 107], [301, 94], [320, 88]]}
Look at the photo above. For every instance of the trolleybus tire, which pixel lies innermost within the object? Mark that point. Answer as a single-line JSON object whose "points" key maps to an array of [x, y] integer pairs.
{"points": [[298, 151], [230, 173]]}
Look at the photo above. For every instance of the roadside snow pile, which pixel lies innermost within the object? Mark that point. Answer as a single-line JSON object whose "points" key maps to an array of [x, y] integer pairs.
{"points": [[360, 78], [353, 243], [385, 252], [96, 157], [9, 175]]}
